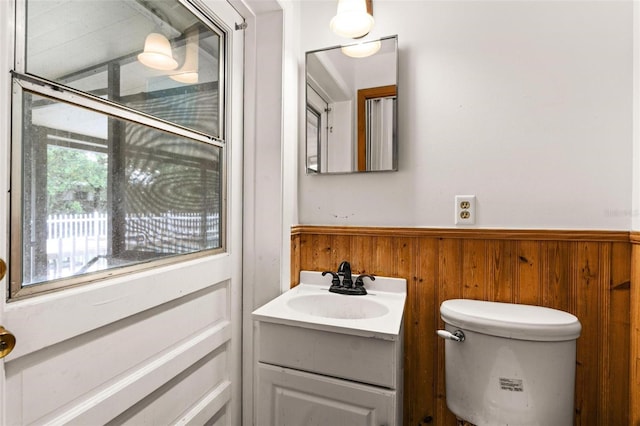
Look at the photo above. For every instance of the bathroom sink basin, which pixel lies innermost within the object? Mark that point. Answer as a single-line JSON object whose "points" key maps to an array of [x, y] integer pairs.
{"points": [[310, 305], [337, 306]]}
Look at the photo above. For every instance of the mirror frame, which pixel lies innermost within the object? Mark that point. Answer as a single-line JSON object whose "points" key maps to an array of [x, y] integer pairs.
{"points": [[358, 139]]}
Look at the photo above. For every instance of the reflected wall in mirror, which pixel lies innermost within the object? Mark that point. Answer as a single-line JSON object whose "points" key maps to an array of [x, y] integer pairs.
{"points": [[351, 108]]}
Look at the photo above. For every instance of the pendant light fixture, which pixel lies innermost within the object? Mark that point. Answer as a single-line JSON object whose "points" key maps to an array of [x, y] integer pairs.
{"points": [[157, 53], [362, 50], [188, 73], [157, 48], [352, 19]]}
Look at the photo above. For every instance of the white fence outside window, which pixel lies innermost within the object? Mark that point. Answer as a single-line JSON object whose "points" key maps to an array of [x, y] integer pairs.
{"points": [[77, 241]]}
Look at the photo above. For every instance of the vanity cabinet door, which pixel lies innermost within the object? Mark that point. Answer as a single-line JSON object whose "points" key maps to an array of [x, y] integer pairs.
{"points": [[295, 398]]}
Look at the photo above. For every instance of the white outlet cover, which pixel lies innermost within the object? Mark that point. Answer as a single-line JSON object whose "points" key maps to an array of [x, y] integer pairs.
{"points": [[469, 210]]}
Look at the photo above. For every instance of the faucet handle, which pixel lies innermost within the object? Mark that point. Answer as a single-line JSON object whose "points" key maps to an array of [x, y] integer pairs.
{"points": [[335, 280], [360, 283]]}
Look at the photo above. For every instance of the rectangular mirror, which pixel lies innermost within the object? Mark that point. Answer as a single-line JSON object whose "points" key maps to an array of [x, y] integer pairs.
{"points": [[351, 108]]}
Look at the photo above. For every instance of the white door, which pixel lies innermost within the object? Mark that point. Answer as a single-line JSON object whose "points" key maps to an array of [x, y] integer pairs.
{"points": [[156, 342]]}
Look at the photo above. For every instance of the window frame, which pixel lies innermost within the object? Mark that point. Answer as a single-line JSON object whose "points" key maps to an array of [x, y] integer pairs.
{"points": [[23, 82]]}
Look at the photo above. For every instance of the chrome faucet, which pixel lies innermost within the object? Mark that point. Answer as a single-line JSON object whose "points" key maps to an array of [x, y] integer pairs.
{"points": [[342, 282]]}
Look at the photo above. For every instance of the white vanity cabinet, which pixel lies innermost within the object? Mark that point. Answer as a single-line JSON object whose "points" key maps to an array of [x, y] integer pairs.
{"points": [[314, 370]]}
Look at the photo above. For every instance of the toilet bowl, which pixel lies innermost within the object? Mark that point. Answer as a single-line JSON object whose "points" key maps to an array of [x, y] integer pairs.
{"points": [[509, 364]]}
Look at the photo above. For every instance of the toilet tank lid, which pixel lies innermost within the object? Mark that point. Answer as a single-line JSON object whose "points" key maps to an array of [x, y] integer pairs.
{"points": [[510, 320]]}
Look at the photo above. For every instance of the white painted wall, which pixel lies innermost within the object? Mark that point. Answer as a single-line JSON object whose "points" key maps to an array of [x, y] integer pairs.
{"points": [[340, 152], [526, 104], [376, 73], [290, 141]]}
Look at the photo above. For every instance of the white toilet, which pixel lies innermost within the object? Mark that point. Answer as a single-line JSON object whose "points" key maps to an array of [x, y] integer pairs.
{"points": [[509, 364]]}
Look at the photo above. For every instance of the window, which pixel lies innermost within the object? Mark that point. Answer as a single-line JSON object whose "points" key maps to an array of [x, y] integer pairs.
{"points": [[116, 163]]}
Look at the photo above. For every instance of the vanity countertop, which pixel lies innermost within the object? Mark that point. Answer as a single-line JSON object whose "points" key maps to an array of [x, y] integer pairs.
{"points": [[310, 305]]}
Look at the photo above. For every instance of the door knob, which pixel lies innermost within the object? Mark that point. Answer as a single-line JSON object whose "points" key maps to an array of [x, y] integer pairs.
{"points": [[7, 342], [3, 269]]}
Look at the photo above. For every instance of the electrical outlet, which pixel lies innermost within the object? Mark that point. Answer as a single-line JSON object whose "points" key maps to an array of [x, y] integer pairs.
{"points": [[465, 210]]}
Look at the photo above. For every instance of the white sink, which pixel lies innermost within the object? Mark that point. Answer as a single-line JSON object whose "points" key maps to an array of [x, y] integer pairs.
{"points": [[333, 305], [327, 358], [311, 305]]}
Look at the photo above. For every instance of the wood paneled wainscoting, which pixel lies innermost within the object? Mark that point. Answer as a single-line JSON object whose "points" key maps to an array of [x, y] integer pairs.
{"points": [[586, 273]]}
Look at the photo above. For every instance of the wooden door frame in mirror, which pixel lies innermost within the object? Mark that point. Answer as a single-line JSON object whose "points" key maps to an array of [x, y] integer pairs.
{"points": [[363, 95]]}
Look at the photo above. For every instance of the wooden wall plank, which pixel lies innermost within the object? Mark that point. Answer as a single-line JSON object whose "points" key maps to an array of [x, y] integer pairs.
{"points": [[315, 252], [555, 292], [361, 254], [403, 250], [619, 333], [405, 265], [584, 272], [604, 362], [420, 324], [384, 259], [528, 273], [474, 269], [340, 251], [450, 286], [501, 259], [588, 309], [295, 260]]}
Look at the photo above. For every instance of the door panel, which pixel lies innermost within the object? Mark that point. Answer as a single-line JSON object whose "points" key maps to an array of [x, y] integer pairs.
{"points": [[148, 347], [103, 303], [155, 346]]}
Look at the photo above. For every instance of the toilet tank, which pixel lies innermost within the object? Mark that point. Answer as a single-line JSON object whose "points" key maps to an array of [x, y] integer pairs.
{"points": [[516, 365]]}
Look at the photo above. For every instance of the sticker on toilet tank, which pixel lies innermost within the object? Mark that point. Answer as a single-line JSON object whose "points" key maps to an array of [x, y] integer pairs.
{"points": [[511, 385]]}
